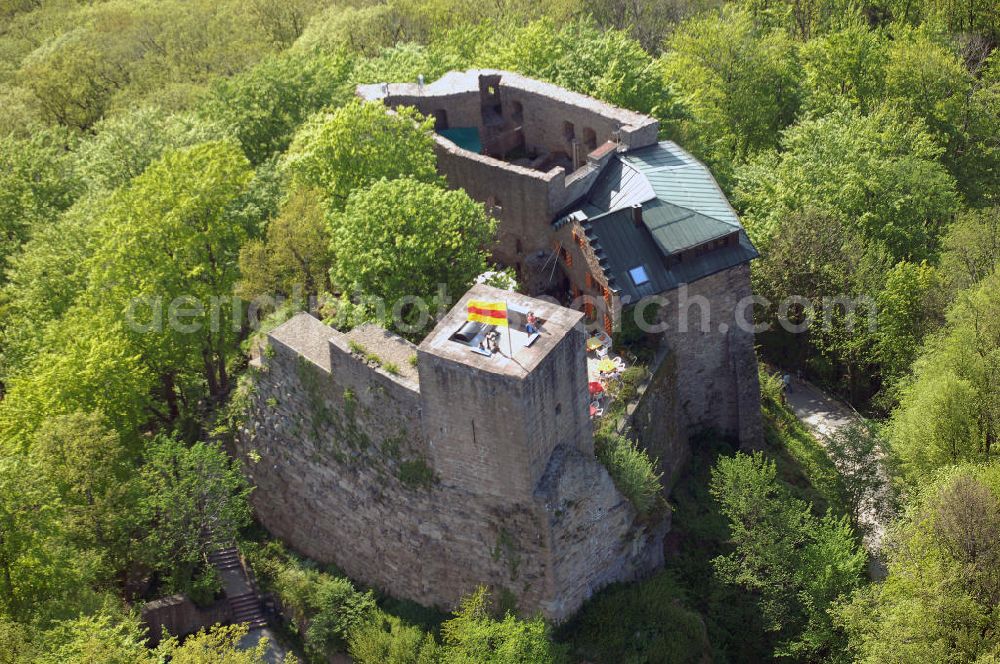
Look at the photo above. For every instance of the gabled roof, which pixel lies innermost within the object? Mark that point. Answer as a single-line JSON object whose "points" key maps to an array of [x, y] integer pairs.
{"points": [[676, 228], [682, 208]]}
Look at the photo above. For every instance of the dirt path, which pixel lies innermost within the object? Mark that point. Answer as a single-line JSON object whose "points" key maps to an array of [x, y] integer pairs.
{"points": [[824, 415]]}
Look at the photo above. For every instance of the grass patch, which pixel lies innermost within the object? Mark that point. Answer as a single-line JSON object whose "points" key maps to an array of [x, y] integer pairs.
{"points": [[802, 462], [392, 368], [416, 474]]}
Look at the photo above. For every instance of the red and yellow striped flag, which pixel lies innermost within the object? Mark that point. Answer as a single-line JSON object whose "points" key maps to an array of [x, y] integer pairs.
{"points": [[492, 313]]}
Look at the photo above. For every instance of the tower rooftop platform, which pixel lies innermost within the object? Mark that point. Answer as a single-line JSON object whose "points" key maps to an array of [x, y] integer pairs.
{"points": [[519, 352]]}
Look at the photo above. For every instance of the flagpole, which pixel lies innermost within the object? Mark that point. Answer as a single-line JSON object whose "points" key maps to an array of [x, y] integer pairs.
{"points": [[510, 344]]}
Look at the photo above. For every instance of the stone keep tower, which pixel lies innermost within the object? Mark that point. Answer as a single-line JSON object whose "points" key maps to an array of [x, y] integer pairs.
{"points": [[469, 469], [491, 423]]}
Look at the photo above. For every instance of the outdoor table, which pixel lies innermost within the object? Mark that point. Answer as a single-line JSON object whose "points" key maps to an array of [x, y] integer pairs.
{"points": [[606, 365], [593, 343]]}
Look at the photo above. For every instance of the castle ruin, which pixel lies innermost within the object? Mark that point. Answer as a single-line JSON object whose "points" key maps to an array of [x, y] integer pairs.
{"points": [[429, 470]]}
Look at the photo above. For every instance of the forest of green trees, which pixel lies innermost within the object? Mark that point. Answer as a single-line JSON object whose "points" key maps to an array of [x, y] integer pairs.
{"points": [[213, 151]]}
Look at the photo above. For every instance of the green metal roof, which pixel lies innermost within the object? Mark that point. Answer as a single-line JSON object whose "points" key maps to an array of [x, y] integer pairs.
{"points": [[677, 177], [675, 228], [682, 207]]}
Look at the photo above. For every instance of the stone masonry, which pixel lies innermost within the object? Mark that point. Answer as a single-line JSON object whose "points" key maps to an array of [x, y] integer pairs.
{"points": [[426, 483]]}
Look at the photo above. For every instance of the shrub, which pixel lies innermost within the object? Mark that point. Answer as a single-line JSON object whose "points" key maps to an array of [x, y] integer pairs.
{"points": [[639, 622], [416, 473], [633, 472], [323, 608], [771, 387], [388, 640]]}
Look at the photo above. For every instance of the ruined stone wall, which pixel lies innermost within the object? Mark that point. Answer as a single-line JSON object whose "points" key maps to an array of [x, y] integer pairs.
{"points": [[716, 379], [527, 198], [339, 476], [553, 119], [656, 422], [346, 474], [461, 109]]}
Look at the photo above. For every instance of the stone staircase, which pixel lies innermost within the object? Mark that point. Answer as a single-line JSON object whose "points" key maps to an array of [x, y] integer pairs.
{"points": [[241, 590]]}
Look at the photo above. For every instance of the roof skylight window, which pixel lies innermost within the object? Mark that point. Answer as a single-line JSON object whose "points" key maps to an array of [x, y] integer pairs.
{"points": [[638, 274]]}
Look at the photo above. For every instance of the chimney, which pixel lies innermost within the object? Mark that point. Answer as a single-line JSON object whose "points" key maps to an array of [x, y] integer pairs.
{"points": [[637, 215]]}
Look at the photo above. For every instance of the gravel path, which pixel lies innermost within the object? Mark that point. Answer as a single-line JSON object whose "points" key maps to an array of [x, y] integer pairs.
{"points": [[824, 415]]}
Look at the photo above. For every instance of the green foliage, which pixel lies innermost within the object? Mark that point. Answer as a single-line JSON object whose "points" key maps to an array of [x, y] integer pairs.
{"points": [[717, 64], [474, 636], [123, 146], [37, 182], [579, 55], [266, 104], [633, 472], [860, 451], [41, 576], [909, 307], [194, 499], [173, 226], [772, 388], [388, 640], [294, 258], [87, 365], [89, 468], [111, 636], [938, 602], [46, 277], [364, 29], [950, 411], [222, 644], [324, 609], [405, 61], [646, 622], [878, 175], [415, 473], [971, 248], [357, 145], [796, 564], [847, 65], [92, 59], [404, 239]]}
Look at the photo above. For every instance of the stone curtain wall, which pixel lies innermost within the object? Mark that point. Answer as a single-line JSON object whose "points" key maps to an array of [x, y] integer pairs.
{"points": [[341, 479], [344, 474], [546, 109], [716, 379], [655, 420]]}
